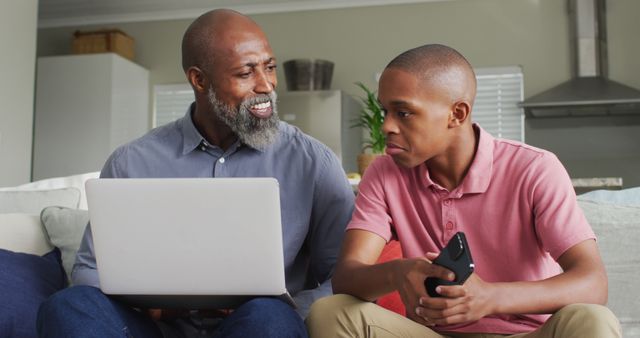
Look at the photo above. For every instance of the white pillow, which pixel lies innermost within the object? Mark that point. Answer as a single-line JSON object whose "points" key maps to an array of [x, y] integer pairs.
{"points": [[23, 233], [65, 228], [617, 229], [33, 201], [74, 181]]}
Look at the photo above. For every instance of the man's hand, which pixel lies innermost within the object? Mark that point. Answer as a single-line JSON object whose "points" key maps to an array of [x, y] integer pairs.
{"points": [[408, 278], [458, 304]]}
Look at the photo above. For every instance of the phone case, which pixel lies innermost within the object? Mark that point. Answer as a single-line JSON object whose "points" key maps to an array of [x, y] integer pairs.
{"points": [[456, 257]]}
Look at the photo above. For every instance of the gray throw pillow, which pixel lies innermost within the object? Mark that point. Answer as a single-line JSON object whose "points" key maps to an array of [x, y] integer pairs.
{"points": [[617, 229], [65, 228], [33, 201]]}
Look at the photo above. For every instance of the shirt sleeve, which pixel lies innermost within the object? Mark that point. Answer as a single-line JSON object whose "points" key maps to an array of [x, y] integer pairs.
{"points": [[333, 202], [85, 269], [371, 210], [559, 221]]}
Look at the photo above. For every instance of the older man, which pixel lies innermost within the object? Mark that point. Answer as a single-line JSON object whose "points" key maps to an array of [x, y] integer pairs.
{"points": [[232, 129]]}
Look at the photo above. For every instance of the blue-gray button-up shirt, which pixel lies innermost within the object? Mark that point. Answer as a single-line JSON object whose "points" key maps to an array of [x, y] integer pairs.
{"points": [[315, 196]]}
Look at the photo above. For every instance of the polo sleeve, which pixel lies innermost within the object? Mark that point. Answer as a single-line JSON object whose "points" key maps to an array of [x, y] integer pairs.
{"points": [[559, 221], [372, 210]]}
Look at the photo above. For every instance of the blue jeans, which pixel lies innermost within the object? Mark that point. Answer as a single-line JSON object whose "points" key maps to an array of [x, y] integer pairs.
{"points": [[84, 311]]}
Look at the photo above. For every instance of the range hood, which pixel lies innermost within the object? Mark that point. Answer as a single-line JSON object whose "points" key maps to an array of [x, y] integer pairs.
{"points": [[589, 92]]}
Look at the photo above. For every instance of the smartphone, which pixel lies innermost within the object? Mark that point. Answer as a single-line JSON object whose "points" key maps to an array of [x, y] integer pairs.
{"points": [[456, 257]]}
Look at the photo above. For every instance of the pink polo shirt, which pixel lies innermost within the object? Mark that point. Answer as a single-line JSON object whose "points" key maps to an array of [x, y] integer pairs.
{"points": [[516, 206]]}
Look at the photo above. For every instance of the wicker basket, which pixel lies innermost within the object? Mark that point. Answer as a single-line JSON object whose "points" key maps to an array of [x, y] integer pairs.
{"points": [[104, 41]]}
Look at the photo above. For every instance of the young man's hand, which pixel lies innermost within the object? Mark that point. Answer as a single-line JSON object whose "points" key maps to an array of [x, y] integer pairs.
{"points": [[458, 304], [409, 278]]}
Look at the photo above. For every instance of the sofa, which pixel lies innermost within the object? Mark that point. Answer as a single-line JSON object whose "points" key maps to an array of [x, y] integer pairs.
{"points": [[41, 225]]}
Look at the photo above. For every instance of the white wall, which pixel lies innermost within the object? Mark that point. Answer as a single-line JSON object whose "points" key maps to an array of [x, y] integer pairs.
{"points": [[18, 20]]}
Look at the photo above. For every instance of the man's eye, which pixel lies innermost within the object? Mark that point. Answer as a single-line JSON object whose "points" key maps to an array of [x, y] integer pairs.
{"points": [[272, 68], [245, 75], [403, 114]]}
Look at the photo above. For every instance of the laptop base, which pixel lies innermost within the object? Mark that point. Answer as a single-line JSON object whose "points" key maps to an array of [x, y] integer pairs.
{"points": [[193, 302]]}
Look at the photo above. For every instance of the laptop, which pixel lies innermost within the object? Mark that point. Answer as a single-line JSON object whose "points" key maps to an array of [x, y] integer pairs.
{"points": [[193, 243]]}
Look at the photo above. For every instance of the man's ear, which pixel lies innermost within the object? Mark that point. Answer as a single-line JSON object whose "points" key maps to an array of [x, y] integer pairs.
{"points": [[197, 79], [460, 112]]}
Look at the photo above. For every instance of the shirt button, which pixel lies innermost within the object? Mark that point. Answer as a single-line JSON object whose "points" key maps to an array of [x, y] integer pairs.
{"points": [[447, 202], [449, 226], [221, 160], [203, 148]]}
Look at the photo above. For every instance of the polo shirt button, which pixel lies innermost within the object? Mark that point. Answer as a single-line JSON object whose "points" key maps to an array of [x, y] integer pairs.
{"points": [[447, 202], [449, 226], [221, 160]]}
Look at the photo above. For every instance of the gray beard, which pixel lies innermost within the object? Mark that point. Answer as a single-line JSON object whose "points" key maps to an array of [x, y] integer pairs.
{"points": [[253, 131]]}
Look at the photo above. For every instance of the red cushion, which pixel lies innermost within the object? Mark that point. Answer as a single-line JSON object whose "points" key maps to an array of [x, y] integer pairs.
{"points": [[391, 301]]}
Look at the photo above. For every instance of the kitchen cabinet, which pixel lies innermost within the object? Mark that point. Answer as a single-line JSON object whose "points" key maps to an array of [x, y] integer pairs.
{"points": [[86, 106]]}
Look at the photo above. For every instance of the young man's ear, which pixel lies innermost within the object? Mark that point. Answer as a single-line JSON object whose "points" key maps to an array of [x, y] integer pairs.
{"points": [[197, 79], [459, 113]]}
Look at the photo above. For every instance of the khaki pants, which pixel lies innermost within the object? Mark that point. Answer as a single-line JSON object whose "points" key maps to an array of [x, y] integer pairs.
{"points": [[349, 317]]}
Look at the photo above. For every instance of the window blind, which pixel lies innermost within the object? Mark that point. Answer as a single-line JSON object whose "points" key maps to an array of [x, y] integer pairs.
{"points": [[496, 105], [171, 102]]}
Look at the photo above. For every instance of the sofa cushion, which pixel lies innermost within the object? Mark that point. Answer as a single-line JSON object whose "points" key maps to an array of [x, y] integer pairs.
{"points": [[75, 181], [25, 281], [617, 229], [629, 196], [391, 301], [33, 201], [23, 233], [65, 228]]}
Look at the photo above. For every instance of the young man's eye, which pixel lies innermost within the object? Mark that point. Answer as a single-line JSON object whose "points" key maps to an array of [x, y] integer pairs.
{"points": [[403, 114]]}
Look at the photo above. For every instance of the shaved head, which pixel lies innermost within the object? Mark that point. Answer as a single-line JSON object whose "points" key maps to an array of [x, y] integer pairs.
{"points": [[441, 66], [200, 40]]}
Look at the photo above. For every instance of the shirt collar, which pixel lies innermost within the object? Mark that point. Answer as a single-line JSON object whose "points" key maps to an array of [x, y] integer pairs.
{"points": [[479, 175], [481, 170], [191, 138]]}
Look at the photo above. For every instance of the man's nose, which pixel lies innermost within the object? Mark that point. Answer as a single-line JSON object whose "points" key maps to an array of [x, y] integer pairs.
{"points": [[265, 83], [389, 126]]}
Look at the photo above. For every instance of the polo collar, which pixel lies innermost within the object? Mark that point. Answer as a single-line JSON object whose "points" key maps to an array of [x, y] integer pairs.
{"points": [[479, 175]]}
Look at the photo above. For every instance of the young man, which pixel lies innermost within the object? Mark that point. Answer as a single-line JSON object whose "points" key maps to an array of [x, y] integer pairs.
{"points": [[232, 129], [534, 252]]}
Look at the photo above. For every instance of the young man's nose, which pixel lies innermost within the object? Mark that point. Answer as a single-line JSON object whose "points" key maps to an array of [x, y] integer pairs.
{"points": [[389, 125]]}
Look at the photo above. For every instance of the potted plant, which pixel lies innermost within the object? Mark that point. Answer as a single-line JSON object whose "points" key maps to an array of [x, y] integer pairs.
{"points": [[371, 118]]}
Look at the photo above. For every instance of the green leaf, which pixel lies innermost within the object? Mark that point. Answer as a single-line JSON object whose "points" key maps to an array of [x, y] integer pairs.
{"points": [[371, 118]]}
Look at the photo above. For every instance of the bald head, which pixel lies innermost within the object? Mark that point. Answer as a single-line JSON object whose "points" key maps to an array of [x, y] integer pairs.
{"points": [[441, 66], [203, 39]]}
